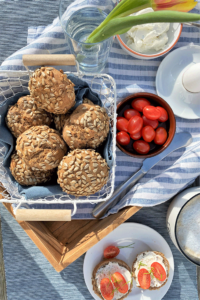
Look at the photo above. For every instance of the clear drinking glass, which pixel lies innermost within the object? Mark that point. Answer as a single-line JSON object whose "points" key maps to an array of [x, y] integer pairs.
{"points": [[78, 19]]}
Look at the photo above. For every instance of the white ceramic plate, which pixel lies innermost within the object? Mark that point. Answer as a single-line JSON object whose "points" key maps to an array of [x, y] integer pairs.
{"points": [[169, 82], [144, 238], [173, 35]]}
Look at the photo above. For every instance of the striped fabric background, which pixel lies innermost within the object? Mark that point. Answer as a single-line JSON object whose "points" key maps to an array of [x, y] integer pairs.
{"points": [[131, 75]]}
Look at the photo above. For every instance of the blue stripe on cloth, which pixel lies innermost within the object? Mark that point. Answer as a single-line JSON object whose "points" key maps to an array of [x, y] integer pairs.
{"points": [[132, 75]]}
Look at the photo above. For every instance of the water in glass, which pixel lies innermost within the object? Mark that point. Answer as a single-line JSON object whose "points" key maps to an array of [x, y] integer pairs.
{"points": [[91, 57]]}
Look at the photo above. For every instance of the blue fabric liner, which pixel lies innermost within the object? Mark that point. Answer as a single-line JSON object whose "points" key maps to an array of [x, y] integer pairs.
{"points": [[82, 90]]}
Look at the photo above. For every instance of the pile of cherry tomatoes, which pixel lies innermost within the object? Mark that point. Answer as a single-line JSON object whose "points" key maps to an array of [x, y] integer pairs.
{"points": [[140, 124]]}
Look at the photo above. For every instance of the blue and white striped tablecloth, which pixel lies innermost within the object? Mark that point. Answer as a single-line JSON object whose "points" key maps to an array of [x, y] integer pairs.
{"points": [[29, 276], [169, 176]]}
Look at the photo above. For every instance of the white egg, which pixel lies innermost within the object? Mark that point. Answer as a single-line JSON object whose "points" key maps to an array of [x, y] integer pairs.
{"points": [[191, 78]]}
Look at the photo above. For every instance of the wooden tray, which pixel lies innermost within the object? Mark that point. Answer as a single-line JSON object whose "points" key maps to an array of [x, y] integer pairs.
{"points": [[63, 242]]}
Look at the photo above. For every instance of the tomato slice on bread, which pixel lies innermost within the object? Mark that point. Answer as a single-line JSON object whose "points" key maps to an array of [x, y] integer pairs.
{"points": [[144, 279], [119, 282], [107, 289], [111, 251], [158, 271]]}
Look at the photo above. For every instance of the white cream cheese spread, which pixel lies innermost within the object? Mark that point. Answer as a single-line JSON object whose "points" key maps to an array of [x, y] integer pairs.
{"points": [[144, 261], [107, 271], [152, 36]]}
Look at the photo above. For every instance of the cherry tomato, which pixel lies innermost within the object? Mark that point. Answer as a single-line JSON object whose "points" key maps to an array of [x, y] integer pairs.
{"points": [[129, 113], [140, 103], [152, 123], [120, 282], [164, 114], [158, 271], [135, 124], [151, 112], [144, 279], [148, 133], [107, 289], [122, 124], [123, 138], [141, 147], [137, 135], [111, 252], [161, 136]]}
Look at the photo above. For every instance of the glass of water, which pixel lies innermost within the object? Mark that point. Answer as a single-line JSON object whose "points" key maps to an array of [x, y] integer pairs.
{"points": [[78, 19]]}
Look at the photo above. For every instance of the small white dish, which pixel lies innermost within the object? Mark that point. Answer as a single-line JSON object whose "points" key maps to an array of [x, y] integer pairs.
{"points": [[173, 35], [144, 238], [169, 82]]}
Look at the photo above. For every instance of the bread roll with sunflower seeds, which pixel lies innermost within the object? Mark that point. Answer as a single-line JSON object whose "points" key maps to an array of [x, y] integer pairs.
{"points": [[41, 147], [87, 127], [59, 121], [24, 175], [88, 101], [82, 172], [52, 90], [25, 114]]}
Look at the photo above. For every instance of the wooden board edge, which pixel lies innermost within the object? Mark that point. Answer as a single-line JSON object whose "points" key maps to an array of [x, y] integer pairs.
{"points": [[113, 221], [53, 256]]}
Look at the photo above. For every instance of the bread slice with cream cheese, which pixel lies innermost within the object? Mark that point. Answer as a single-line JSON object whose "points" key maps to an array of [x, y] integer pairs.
{"points": [[163, 261], [105, 264]]}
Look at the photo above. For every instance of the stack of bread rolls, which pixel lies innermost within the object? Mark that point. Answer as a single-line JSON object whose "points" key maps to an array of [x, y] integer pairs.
{"points": [[70, 147]]}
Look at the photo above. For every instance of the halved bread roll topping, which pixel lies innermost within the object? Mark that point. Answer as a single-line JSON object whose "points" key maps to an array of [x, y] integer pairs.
{"points": [[150, 270], [118, 276], [116, 283]]}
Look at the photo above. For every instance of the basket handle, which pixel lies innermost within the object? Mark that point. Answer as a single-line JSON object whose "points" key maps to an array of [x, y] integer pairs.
{"points": [[43, 215], [49, 59]]}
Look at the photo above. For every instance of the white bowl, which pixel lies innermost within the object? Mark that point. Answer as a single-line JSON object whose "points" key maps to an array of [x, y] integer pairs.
{"points": [[173, 35]]}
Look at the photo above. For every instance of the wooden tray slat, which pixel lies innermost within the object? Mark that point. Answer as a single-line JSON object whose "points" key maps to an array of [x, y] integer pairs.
{"points": [[69, 231], [53, 226], [93, 235]]}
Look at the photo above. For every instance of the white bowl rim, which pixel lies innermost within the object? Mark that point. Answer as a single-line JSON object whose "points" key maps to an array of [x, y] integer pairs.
{"points": [[151, 55]]}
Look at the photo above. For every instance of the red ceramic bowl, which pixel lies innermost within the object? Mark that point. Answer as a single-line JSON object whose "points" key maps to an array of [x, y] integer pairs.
{"points": [[169, 125]]}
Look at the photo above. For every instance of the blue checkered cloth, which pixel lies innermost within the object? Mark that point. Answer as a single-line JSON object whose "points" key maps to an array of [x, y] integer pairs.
{"points": [[132, 75]]}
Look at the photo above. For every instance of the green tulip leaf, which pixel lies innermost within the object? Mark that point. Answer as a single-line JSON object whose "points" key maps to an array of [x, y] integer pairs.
{"points": [[121, 25]]}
